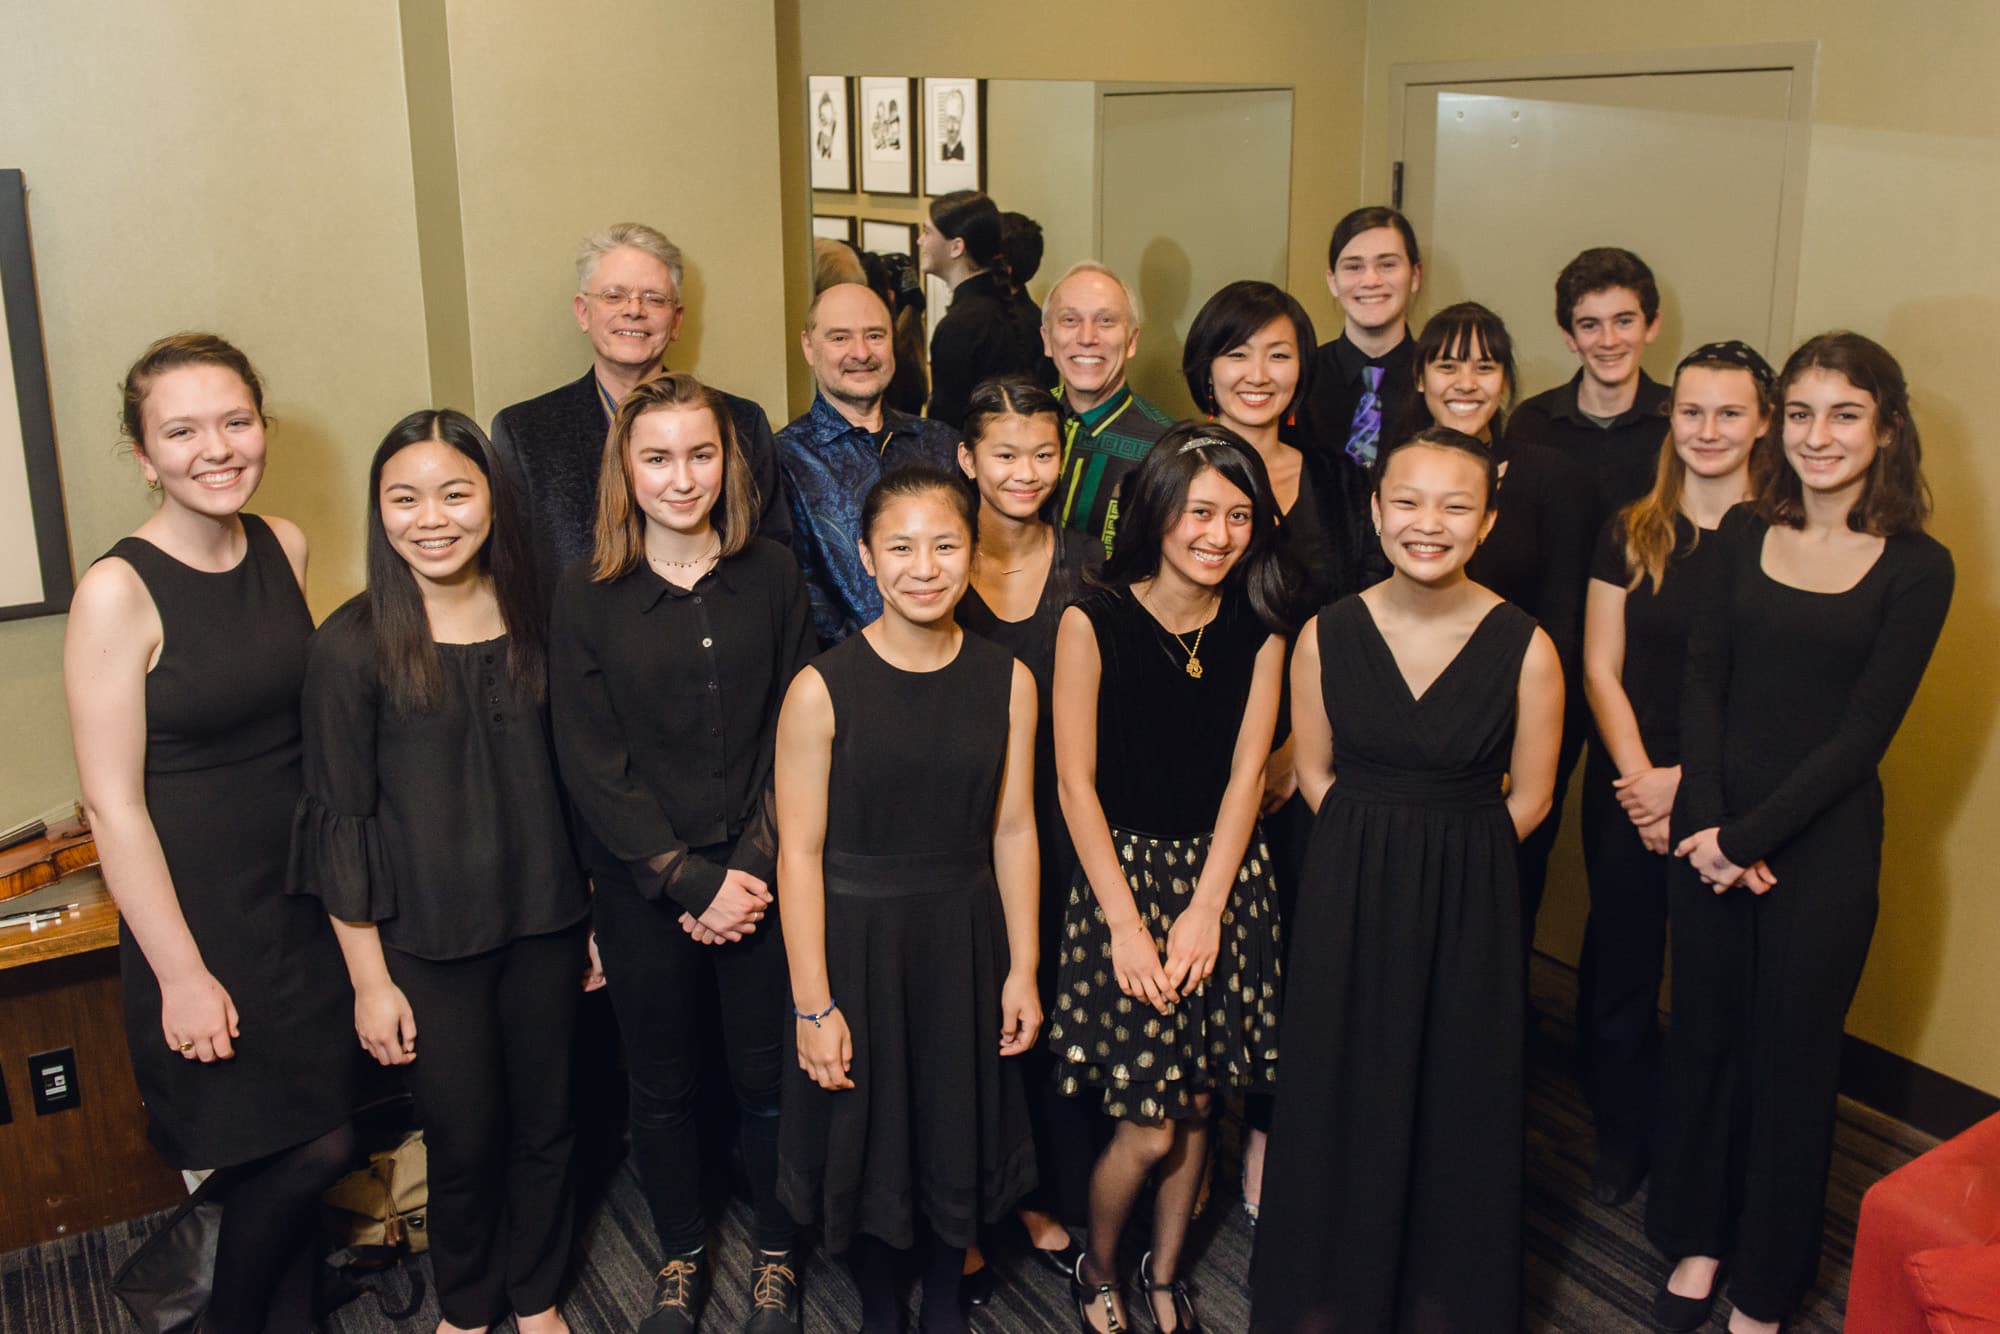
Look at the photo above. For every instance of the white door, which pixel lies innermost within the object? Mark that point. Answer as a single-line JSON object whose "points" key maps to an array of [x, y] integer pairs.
{"points": [[1506, 181], [1194, 191]]}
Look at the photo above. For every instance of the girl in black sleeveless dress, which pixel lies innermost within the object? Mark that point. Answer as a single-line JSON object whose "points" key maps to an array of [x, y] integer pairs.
{"points": [[185, 654], [1428, 714], [1166, 693], [907, 884], [1013, 453]]}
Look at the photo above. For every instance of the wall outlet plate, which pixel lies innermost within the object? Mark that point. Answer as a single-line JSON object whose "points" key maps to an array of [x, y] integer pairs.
{"points": [[52, 1079]]}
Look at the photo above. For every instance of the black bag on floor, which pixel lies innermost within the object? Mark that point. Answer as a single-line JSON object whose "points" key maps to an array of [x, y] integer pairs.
{"points": [[165, 1283]]}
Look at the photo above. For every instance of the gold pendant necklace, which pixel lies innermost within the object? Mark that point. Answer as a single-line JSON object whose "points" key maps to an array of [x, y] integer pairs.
{"points": [[1194, 660]]}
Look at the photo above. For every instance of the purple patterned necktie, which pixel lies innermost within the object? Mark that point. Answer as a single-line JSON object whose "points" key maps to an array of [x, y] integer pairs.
{"points": [[1365, 433]]}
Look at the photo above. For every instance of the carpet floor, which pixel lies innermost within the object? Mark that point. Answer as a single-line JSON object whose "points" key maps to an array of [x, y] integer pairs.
{"points": [[1589, 1269]]}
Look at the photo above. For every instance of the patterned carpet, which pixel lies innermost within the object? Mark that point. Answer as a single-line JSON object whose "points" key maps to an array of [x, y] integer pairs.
{"points": [[1589, 1269]]}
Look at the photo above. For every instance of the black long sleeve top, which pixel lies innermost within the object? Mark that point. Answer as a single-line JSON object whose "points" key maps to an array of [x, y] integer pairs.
{"points": [[666, 715], [446, 829], [984, 334], [1792, 697], [1538, 554]]}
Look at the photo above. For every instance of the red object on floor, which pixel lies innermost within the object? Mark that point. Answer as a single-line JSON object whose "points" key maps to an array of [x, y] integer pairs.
{"points": [[1927, 1251]]}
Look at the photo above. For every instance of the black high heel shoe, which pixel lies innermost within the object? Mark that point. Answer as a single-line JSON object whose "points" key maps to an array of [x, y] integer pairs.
{"points": [[1185, 1320], [1086, 1294]]}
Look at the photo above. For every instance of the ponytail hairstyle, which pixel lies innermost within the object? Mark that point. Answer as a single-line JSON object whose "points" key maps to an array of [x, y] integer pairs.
{"points": [[412, 671], [1895, 498], [919, 479], [171, 353], [971, 216], [1457, 441], [1650, 521], [1154, 494], [1005, 396]]}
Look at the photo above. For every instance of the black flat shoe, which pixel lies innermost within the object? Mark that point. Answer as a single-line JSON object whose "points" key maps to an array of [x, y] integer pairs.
{"points": [[1682, 1315], [1185, 1320], [1062, 1261], [1615, 1178], [1087, 1294], [976, 1288]]}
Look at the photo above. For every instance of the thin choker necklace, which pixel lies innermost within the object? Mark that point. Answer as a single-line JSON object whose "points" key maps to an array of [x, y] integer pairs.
{"points": [[702, 559]]}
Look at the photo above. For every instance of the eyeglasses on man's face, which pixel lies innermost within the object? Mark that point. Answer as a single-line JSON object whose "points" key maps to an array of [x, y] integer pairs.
{"points": [[616, 298]]}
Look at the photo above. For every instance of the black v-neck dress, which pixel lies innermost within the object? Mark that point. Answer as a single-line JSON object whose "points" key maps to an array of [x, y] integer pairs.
{"points": [[1392, 1189]]}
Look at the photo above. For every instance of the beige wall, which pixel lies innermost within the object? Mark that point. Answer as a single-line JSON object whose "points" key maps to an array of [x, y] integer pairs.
{"points": [[1313, 45], [573, 116], [1903, 180], [238, 167]]}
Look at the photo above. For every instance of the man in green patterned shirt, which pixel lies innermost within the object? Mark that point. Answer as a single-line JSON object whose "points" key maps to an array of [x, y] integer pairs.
{"points": [[1090, 329]]}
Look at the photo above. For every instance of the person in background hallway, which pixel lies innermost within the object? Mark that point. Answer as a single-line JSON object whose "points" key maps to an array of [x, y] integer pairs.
{"points": [[1651, 566], [835, 262], [1090, 329], [986, 332], [669, 655], [433, 832], [1246, 364], [628, 303], [1538, 551], [1021, 251], [1026, 572], [908, 883], [1168, 994], [182, 665], [1807, 649], [1428, 713], [841, 447], [1373, 269], [895, 279]]}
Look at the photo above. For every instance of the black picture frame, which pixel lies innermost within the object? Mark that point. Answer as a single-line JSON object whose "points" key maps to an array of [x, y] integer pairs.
{"points": [[833, 227], [889, 238], [941, 177], [831, 156], [886, 155], [32, 408]]}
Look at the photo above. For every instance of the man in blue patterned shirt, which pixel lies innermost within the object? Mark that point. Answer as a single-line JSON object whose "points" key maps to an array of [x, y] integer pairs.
{"points": [[841, 446]]}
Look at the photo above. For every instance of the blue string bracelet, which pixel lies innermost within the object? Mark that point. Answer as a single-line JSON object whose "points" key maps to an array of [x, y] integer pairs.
{"points": [[814, 1019]]}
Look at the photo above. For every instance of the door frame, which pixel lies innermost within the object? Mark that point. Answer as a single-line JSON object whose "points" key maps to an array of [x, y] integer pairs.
{"points": [[1801, 59]]}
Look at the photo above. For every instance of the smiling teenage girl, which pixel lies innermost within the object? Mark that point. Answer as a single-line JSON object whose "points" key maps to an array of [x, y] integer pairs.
{"points": [[432, 830], [1166, 695], [1427, 714], [907, 879], [182, 665], [1806, 652]]}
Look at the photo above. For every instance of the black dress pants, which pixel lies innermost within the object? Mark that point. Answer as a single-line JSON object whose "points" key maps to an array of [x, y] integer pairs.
{"points": [[1624, 954], [1761, 990], [491, 1082], [654, 971]]}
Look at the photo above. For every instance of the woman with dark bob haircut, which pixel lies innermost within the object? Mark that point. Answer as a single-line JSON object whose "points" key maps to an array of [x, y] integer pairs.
{"points": [[1827, 600], [433, 831], [1166, 694]]}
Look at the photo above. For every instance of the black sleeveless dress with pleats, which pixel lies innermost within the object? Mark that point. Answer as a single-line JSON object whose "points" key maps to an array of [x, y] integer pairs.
{"points": [[935, 1129], [222, 777], [1392, 1189]]}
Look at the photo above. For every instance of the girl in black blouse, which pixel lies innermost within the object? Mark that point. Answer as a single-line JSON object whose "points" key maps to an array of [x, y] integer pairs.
{"points": [[1166, 695], [1651, 564], [432, 829], [1026, 571], [985, 332], [1538, 553], [1806, 652], [669, 655]]}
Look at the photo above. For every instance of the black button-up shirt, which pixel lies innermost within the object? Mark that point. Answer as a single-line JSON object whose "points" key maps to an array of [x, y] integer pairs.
{"points": [[1621, 458], [665, 703]]}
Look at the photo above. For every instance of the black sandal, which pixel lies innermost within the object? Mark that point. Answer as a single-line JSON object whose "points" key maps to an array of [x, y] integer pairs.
{"points": [[1083, 1292], [1186, 1321]]}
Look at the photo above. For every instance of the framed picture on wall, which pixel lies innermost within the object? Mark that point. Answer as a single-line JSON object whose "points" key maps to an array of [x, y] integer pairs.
{"points": [[954, 135], [829, 105], [886, 133], [831, 228], [889, 238], [36, 578]]}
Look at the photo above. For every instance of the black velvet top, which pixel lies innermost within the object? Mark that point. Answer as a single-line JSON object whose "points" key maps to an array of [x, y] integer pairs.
{"points": [[446, 829], [1165, 739], [1792, 697], [666, 715], [1657, 624]]}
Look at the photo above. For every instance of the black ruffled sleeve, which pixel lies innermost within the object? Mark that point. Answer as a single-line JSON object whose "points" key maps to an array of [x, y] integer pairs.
{"points": [[337, 851]]}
